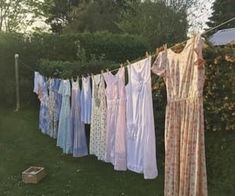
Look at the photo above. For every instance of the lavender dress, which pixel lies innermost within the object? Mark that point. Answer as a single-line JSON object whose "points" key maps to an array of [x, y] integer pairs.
{"points": [[78, 127]]}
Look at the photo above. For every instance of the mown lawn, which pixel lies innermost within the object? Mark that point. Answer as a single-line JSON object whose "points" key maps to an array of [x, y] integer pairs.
{"points": [[22, 145]]}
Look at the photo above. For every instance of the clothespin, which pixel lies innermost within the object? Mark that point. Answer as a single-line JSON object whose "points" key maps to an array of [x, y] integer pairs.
{"points": [[121, 65], [165, 47], [102, 71], [146, 54], [107, 70], [128, 62], [157, 51]]}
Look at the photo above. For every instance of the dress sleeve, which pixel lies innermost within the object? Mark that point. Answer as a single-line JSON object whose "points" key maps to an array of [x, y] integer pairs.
{"points": [[198, 46], [159, 65]]}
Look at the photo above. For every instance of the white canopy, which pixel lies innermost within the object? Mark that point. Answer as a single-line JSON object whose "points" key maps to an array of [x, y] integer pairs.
{"points": [[223, 37]]}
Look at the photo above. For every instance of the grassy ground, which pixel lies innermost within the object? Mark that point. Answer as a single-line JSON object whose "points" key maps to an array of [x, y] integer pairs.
{"points": [[22, 145]]}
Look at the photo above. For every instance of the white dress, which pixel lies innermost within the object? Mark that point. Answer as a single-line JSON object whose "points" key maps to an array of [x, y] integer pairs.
{"points": [[86, 101], [141, 145], [115, 151]]}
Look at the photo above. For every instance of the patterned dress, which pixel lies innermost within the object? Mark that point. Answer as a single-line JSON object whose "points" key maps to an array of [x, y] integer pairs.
{"points": [[65, 135], [95, 116], [141, 144], [40, 88], [52, 110], [115, 151], [98, 119], [184, 75], [78, 127]]}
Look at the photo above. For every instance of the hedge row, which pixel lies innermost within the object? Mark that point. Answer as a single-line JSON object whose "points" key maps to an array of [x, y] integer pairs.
{"points": [[80, 48]]}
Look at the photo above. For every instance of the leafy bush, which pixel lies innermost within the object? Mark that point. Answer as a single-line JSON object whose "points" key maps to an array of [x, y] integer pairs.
{"points": [[86, 51]]}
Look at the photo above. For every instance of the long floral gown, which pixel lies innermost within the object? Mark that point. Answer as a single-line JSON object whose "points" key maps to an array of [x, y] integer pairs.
{"points": [[184, 75]]}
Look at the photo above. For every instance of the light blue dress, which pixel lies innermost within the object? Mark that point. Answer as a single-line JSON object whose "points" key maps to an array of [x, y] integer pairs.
{"points": [[65, 137], [86, 100], [78, 127], [40, 88]]}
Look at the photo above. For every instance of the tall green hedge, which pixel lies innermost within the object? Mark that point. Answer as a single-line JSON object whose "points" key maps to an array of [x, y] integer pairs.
{"points": [[86, 50]]}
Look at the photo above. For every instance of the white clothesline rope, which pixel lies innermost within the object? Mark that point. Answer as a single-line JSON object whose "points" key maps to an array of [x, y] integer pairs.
{"points": [[205, 32]]}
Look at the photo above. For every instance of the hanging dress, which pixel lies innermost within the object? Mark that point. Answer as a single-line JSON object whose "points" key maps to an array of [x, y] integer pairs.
{"points": [[40, 88], [184, 75], [95, 116], [78, 127], [98, 118], [65, 137], [141, 145], [115, 151], [58, 102], [52, 109], [86, 100], [102, 120]]}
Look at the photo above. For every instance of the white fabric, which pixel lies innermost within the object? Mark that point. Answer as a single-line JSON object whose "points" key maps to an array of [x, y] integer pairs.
{"points": [[86, 101], [115, 151], [141, 145], [223, 37]]}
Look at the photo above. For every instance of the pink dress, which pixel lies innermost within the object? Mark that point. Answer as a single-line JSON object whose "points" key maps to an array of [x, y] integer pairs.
{"points": [[184, 74], [115, 151]]}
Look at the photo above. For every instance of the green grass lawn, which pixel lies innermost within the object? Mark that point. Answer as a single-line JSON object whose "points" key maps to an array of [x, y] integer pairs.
{"points": [[22, 145]]}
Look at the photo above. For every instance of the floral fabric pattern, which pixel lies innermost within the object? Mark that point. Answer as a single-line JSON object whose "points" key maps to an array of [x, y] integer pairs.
{"points": [[185, 166]]}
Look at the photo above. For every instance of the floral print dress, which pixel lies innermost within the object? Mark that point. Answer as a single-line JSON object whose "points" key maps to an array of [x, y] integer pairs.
{"points": [[184, 74], [98, 118]]}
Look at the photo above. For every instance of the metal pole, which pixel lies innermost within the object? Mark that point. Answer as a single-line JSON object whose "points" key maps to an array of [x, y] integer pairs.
{"points": [[17, 83]]}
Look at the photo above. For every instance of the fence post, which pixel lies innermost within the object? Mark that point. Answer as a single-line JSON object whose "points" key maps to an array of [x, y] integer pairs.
{"points": [[17, 83]]}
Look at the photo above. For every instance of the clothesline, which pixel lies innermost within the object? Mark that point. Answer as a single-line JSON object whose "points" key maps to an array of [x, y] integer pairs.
{"points": [[205, 32], [129, 63]]}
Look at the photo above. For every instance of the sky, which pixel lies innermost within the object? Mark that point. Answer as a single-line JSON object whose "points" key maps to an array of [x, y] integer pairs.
{"points": [[201, 15]]}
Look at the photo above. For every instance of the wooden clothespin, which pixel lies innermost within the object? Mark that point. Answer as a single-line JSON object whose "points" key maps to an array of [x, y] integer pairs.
{"points": [[121, 65], [157, 51], [146, 54], [107, 70], [165, 47], [128, 62]]}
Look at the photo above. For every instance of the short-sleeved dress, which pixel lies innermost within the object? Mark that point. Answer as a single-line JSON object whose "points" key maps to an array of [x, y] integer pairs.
{"points": [[65, 135], [78, 127], [40, 88], [86, 100], [184, 74], [141, 144], [115, 151]]}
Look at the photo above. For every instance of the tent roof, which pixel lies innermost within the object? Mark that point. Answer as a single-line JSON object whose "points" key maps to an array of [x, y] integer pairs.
{"points": [[223, 37]]}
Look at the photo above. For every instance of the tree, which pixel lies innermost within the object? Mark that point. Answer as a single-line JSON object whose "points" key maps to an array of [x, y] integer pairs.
{"points": [[100, 15], [17, 14], [155, 21], [58, 13], [222, 10]]}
